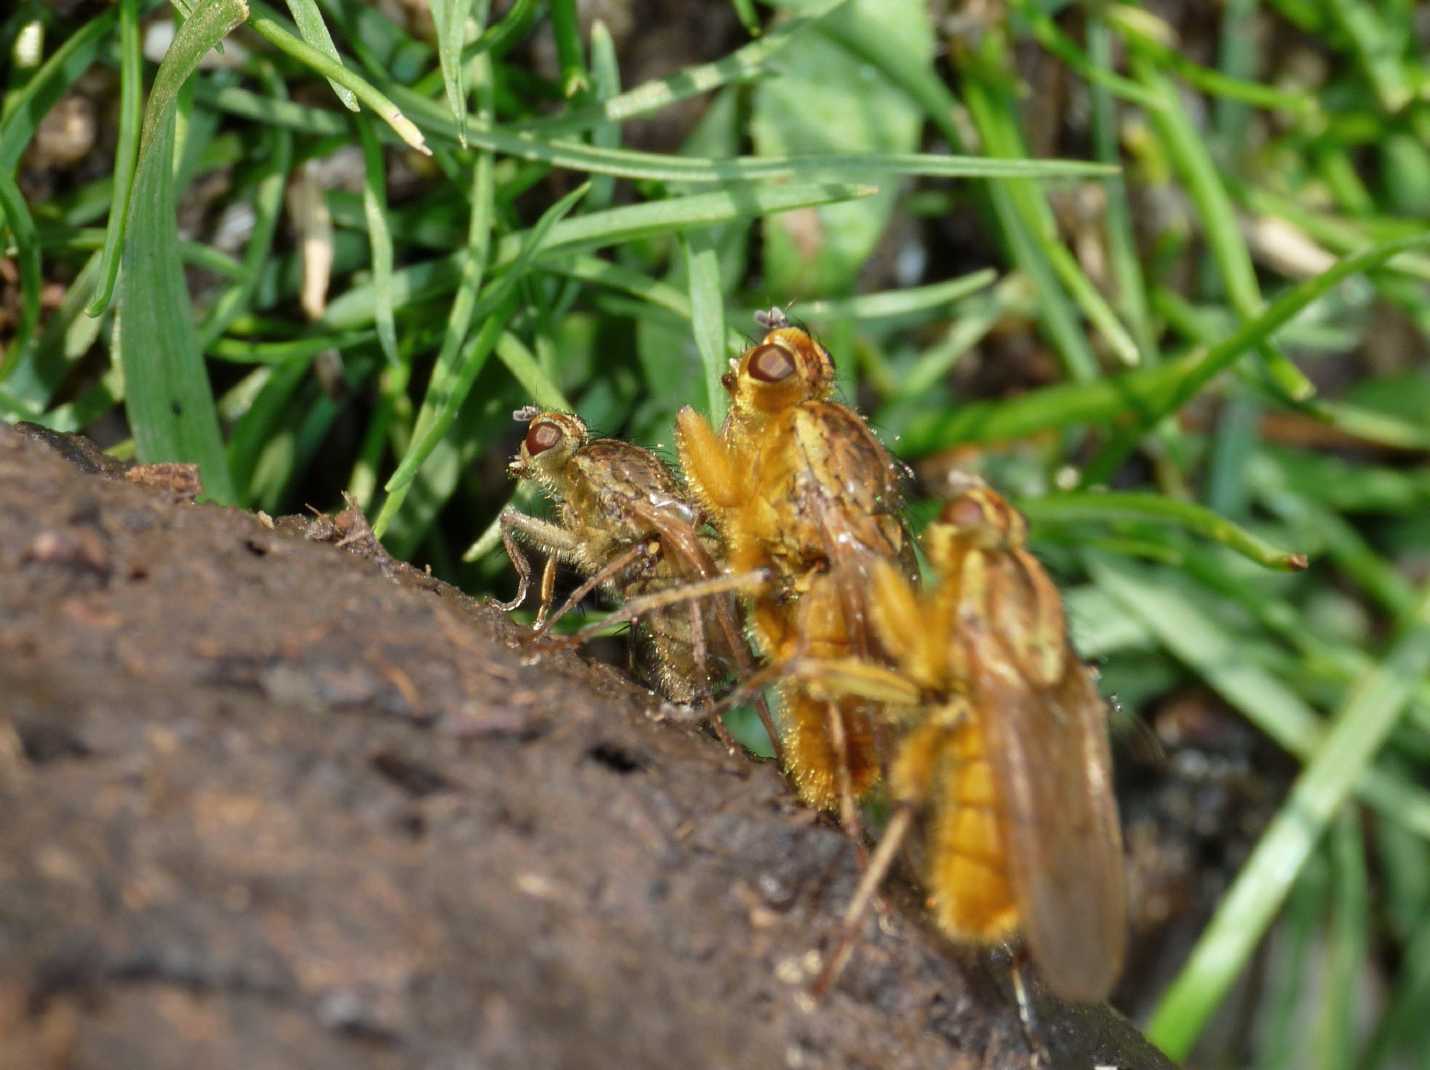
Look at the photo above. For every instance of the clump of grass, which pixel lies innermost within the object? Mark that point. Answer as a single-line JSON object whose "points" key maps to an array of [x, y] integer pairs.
{"points": [[1187, 385]]}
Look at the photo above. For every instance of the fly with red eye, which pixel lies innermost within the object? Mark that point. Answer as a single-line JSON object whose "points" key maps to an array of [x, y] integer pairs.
{"points": [[626, 524]]}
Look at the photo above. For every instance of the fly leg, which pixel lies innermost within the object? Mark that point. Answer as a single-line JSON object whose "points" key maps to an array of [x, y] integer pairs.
{"points": [[873, 876], [1038, 1056], [552, 538], [702, 674], [604, 574]]}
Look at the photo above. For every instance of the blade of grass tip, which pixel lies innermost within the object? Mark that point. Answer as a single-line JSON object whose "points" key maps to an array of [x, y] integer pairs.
{"points": [[268, 190], [745, 12], [314, 31], [1184, 147], [1164, 390], [374, 203], [27, 246], [1370, 712], [168, 398], [1182, 618], [449, 20], [527, 371], [1344, 544], [1376, 50], [1335, 1041], [1104, 506], [742, 64], [494, 41], [707, 315], [25, 108], [570, 56], [126, 149], [267, 24], [446, 392]]}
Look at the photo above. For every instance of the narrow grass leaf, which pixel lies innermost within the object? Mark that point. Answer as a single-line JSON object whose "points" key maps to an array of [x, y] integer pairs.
{"points": [[1106, 506], [1158, 392], [741, 65], [270, 183], [446, 392], [268, 25], [591, 231], [26, 107], [27, 246], [1370, 712], [126, 150], [707, 317], [525, 369], [168, 399], [374, 203], [314, 31], [1182, 618], [1188, 152], [449, 20]]}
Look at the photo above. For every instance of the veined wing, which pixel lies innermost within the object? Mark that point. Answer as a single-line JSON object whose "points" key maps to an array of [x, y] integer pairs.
{"points": [[1052, 770]]}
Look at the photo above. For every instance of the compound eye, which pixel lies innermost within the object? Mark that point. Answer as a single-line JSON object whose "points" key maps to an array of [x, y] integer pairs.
{"points": [[542, 437], [965, 513], [770, 364]]}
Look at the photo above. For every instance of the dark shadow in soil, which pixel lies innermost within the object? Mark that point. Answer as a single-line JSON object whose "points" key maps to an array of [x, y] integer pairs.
{"points": [[272, 799]]}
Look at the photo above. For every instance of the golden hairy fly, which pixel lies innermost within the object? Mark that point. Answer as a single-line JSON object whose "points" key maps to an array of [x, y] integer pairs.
{"points": [[627, 525], [1001, 762], [800, 489]]}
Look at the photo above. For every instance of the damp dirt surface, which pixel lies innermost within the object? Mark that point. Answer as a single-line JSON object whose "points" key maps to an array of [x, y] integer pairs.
{"points": [[272, 799]]}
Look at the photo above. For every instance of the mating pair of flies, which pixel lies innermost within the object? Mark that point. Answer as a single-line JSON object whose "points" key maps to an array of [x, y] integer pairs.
{"points": [[964, 696]]}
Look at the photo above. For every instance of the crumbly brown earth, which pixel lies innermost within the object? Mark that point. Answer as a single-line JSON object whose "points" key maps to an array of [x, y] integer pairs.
{"points": [[272, 799]]}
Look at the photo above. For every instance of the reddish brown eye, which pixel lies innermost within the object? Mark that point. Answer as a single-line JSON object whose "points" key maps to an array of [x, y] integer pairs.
{"points": [[770, 364], [964, 513], [542, 437]]}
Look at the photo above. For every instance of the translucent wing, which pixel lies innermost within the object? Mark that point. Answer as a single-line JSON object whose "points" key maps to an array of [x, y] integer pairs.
{"points": [[1046, 730]]}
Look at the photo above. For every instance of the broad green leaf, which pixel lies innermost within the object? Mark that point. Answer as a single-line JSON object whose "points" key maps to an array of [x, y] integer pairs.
{"points": [[822, 103]]}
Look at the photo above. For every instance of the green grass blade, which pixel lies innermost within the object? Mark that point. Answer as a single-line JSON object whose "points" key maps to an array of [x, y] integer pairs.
{"points": [[1157, 395], [1182, 619], [528, 372], [591, 231], [1376, 49], [267, 24], [566, 30], [268, 189], [1358, 731], [126, 150], [1107, 506], [27, 245], [168, 399], [449, 19], [1188, 153], [446, 392], [374, 203], [314, 31], [741, 65], [707, 317], [606, 84], [26, 108]]}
